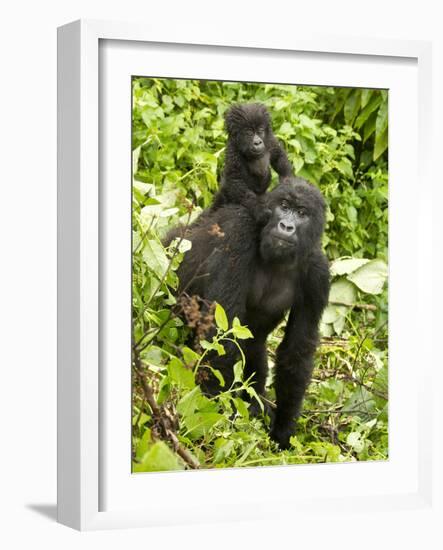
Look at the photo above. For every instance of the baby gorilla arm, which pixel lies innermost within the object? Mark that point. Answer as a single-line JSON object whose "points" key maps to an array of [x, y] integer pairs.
{"points": [[280, 161]]}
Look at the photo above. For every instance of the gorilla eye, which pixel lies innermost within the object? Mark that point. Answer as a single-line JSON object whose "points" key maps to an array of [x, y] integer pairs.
{"points": [[301, 212], [284, 205]]}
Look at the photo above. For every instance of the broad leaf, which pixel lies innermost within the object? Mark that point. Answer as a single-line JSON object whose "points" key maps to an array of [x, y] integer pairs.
{"points": [[200, 423], [220, 318], [342, 292], [371, 277], [346, 265], [159, 458], [180, 375], [155, 258]]}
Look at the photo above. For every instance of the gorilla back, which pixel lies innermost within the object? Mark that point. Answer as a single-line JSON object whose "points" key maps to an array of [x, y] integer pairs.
{"points": [[258, 274]]}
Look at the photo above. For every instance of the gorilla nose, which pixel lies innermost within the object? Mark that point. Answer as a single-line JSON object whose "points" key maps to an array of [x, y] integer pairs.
{"points": [[257, 142], [286, 228]]}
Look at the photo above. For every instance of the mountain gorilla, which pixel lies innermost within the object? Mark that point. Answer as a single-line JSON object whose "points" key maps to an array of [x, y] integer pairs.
{"points": [[258, 274], [250, 151]]}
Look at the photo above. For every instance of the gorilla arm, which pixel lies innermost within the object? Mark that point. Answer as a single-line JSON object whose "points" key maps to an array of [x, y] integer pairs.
{"points": [[294, 362]]}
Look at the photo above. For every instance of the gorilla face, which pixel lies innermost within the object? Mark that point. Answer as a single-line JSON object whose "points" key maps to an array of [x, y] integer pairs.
{"points": [[296, 222], [248, 125]]}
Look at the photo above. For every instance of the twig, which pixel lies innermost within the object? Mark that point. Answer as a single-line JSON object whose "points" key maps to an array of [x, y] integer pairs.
{"points": [[369, 307], [366, 387], [360, 345], [268, 401], [159, 415], [144, 234], [332, 411]]}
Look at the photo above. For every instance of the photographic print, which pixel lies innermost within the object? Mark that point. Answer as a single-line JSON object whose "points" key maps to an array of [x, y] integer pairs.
{"points": [[259, 274]]}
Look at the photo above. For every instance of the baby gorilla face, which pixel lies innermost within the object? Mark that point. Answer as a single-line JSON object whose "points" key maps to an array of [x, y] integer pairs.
{"points": [[251, 142], [248, 125], [296, 223]]}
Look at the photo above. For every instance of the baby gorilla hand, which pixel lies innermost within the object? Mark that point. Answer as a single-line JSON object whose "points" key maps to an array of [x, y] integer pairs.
{"points": [[262, 213]]}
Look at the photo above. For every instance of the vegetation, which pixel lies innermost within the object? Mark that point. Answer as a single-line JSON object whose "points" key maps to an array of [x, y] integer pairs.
{"points": [[337, 139]]}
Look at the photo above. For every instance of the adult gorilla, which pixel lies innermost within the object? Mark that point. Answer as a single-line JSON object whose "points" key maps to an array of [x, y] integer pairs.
{"points": [[258, 274]]}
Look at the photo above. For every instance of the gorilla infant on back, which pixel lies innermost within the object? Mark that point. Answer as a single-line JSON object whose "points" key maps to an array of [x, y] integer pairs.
{"points": [[251, 150], [258, 274]]}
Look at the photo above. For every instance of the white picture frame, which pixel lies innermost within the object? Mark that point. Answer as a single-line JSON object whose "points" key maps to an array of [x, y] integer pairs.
{"points": [[95, 492]]}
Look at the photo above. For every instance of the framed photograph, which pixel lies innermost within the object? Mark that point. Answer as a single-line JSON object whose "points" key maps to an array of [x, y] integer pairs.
{"points": [[234, 292]]}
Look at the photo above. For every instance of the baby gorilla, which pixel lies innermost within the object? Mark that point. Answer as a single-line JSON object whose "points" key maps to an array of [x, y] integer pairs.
{"points": [[251, 150]]}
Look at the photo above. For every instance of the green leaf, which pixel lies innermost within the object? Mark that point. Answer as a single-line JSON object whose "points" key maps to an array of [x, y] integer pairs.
{"points": [[199, 424], [190, 356], [241, 407], [369, 127], [360, 403], [326, 330], [382, 119], [144, 189], [381, 381], [371, 277], [342, 291], [159, 458], [189, 402], [219, 376], [239, 331], [285, 129], [155, 257], [346, 265], [213, 346], [219, 348], [367, 111], [220, 318], [339, 325], [352, 106], [381, 131], [252, 393], [352, 213], [223, 448], [381, 144], [238, 371], [135, 157], [366, 95], [333, 312], [354, 440], [143, 444], [182, 245], [180, 375], [344, 166]]}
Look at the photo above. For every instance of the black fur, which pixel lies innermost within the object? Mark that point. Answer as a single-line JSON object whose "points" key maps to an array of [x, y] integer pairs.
{"points": [[258, 274], [251, 150]]}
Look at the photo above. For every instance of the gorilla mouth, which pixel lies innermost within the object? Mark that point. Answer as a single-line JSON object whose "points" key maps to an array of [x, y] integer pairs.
{"points": [[285, 240], [278, 249], [258, 151]]}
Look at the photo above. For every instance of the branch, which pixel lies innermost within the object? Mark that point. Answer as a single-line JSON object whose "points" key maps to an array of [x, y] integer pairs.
{"points": [[160, 415], [369, 307], [366, 387]]}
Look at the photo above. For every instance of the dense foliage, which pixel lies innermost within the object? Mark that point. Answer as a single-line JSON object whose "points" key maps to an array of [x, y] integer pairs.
{"points": [[337, 139]]}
